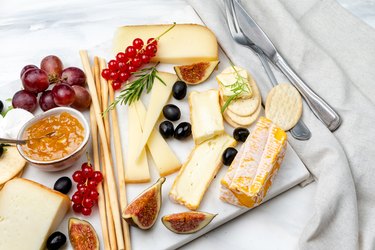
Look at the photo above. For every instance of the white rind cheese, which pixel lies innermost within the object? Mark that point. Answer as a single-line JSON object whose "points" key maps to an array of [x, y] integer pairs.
{"points": [[206, 118], [29, 213]]}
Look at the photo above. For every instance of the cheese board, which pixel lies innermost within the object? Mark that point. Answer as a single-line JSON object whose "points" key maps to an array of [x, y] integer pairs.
{"points": [[291, 172]]}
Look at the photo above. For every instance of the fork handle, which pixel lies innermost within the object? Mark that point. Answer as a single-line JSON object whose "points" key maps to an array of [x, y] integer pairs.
{"points": [[320, 108]]}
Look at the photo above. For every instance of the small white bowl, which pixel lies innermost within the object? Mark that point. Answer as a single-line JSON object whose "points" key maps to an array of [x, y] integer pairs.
{"points": [[68, 160]]}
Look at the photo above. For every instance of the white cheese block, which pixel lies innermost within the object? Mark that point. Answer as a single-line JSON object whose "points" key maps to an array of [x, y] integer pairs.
{"points": [[205, 115], [197, 173], [29, 213], [229, 77], [160, 94], [183, 44], [165, 159], [136, 168]]}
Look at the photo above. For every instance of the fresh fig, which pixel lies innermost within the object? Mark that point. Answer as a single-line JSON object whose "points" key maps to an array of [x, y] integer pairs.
{"points": [[82, 235], [144, 210], [187, 222], [195, 73]]}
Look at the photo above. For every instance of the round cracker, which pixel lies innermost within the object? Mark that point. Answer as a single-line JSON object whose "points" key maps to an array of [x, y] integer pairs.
{"points": [[11, 164], [284, 106], [243, 120]]}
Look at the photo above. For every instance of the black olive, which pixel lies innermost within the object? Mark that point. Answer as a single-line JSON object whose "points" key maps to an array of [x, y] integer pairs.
{"points": [[241, 134], [228, 155], [171, 112], [1, 106], [182, 131], [1, 150], [63, 185], [179, 90], [56, 240], [166, 129]]}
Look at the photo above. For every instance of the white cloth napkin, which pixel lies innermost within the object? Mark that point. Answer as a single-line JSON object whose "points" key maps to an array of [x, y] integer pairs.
{"points": [[335, 54]]}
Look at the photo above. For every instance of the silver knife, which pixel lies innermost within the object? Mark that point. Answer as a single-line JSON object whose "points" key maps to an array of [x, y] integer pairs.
{"points": [[320, 108]]}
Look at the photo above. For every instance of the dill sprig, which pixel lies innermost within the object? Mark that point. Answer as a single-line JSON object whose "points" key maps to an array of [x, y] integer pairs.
{"points": [[133, 90], [239, 87]]}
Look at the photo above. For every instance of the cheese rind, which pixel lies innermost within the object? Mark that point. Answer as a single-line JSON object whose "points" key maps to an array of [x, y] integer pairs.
{"points": [[29, 213], [183, 44], [205, 114], [251, 173], [197, 173]]}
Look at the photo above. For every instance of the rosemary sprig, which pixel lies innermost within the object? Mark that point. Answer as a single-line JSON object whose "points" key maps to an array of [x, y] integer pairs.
{"points": [[133, 90], [239, 87]]}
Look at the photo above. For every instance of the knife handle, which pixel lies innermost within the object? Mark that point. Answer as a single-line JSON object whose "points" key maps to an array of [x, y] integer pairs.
{"points": [[320, 108]]}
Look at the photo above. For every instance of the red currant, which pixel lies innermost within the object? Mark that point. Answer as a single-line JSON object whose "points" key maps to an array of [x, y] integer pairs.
{"points": [[83, 191], [114, 75], [151, 50], [131, 69], [122, 66], [124, 76], [138, 43], [77, 208], [86, 211], [94, 195], [137, 62], [105, 74], [130, 52], [152, 41], [97, 176], [87, 172], [77, 198], [85, 165], [80, 185], [87, 202], [121, 57], [92, 184], [78, 177], [116, 85], [145, 58], [113, 65]]}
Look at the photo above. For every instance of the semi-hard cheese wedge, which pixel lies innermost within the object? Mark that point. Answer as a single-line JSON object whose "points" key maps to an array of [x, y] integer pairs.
{"points": [[160, 94], [205, 115], [136, 168], [29, 213], [183, 44], [251, 173], [197, 173], [165, 159]]}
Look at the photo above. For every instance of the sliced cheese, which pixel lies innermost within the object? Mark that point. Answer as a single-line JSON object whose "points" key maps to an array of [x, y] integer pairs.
{"points": [[230, 79], [205, 115], [250, 175], [160, 94], [183, 44], [29, 213], [11, 163], [136, 168], [197, 173], [165, 159]]}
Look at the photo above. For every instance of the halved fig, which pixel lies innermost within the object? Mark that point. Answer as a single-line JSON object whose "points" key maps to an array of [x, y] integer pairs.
{"points": [[82, 235], [187, 222], [144, 210], [196, 73]]}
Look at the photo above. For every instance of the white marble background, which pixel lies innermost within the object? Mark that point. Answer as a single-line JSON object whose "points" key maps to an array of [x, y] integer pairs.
{"points": [[31, 29]]}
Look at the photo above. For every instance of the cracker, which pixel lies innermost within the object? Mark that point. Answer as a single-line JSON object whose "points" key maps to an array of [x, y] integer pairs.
{"points": [[234, 119], [284, 106]]}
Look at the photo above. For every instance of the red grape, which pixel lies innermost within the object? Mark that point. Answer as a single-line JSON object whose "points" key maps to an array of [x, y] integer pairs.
{"points": [[121, 57], [113, 65], [86, 211], [98, 177], [138, 43], [26, 68], [46, 101], [77, 208], [87, 202], [35, 80], [116, 85], [152, 41], [53, 66], [78, 177], [82, 99], [73, 76], [130, 52], [63, 94], [24, 100], [106, 73], [77, 197]]}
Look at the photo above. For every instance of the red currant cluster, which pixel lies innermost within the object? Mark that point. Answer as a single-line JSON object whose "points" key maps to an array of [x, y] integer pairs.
{"points": [[120, 69], [86, 195]]}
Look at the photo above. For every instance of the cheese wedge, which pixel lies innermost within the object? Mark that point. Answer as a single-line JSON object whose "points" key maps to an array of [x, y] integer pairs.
{"points": [[11, 163], [29, 213], [183, 44], [197, 173], [165, 159], [251, 173], [136, 168], [228, 79], [160, 94], [205, 115]]}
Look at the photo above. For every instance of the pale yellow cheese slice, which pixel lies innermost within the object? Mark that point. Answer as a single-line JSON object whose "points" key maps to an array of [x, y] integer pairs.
{"points": [[136, 168], [183, 44], [160, 94], [231, 77], [197, 173], [205, 115], [164, 158], [11, 163], [29, 213]]}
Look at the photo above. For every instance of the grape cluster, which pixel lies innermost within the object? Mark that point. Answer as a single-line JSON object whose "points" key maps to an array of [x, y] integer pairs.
{"points": [[68, 89], [120, 69], [86, 195]]}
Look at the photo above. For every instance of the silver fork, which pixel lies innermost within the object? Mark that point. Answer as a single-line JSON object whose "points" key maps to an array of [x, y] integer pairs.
{"points": [[300, 131]]}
